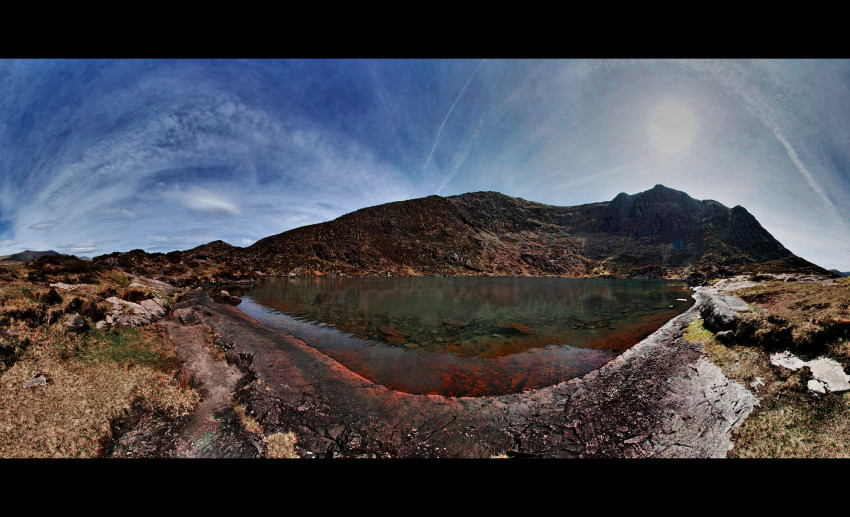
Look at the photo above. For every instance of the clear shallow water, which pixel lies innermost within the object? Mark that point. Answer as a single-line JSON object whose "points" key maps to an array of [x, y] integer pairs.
{"points": [[467, 336]]}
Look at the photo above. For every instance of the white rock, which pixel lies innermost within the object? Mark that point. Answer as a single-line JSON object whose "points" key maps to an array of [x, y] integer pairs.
{"points": [[41, 380], [64, 286], [816, 385], [787, 360], [827, 372]]}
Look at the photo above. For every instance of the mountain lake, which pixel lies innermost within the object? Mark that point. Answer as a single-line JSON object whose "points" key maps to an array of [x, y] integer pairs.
{"points": [[467, 336]]}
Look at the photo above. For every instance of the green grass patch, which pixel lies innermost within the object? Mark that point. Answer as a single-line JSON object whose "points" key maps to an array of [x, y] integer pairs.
{"points": [[114, 277], [126, 346], [696, 331]]}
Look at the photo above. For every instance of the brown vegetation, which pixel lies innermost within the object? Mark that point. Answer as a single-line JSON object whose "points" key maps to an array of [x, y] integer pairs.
{"points": [[93, 376]]}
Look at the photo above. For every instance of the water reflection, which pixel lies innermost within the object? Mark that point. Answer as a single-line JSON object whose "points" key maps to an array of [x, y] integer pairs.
{"points": [[468, 335]]}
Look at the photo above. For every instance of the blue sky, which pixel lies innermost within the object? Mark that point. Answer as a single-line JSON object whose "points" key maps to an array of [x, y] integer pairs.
{"points": [[113, 155]]}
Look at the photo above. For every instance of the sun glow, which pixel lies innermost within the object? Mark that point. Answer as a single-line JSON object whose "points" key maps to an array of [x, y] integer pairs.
{"points": [[672, 127]]}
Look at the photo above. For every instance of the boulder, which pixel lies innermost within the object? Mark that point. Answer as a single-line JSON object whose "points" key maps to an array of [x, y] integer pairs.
{"points": [[134, 314], [720, 312], [154, 307]]}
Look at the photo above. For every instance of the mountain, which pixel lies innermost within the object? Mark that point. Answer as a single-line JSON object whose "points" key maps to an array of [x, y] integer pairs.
{"points": [[840, 273], [657, 233], [28, 255]]}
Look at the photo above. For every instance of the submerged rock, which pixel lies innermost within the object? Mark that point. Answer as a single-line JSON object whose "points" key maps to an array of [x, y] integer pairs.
{"points": [[516, 327], [456, 324], [393, 336]]}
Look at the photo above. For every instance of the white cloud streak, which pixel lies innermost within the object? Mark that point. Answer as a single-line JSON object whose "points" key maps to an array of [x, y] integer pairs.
{"points": [[451, 109], [732, 76]]}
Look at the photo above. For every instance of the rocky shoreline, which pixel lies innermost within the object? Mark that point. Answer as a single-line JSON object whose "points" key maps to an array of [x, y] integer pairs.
{"points": [[662, 398]]}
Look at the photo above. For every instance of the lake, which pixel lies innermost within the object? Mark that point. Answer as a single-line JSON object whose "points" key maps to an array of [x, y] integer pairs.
{"points": [[467, 336]]}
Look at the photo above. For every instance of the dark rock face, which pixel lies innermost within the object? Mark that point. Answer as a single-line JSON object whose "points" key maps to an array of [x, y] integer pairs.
{"points": [[658, 233]]}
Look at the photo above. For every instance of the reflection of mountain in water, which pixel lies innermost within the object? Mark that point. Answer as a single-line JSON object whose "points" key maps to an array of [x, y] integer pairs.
{"points": [[495, 325]]}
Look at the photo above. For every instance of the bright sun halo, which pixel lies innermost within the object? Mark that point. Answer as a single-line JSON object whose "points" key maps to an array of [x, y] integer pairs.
{"points": [[671, 127]]}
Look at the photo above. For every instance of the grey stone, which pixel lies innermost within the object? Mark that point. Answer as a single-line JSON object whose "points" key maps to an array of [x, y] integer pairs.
{"points": [[41, 380], [135, 314], [156, 310], [75, 321], [64, 286], [187, 316]]}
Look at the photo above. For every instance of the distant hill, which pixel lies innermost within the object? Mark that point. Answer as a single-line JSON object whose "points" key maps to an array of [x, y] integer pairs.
{"points": [[26, 256], [659, 233], [840, 273]]}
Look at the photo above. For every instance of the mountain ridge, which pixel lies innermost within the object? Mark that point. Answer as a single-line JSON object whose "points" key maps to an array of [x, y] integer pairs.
{"points": [[658, 233]]}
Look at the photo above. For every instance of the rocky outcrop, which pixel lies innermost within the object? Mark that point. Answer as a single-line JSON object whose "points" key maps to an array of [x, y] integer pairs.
{"points": [[134, 314]]}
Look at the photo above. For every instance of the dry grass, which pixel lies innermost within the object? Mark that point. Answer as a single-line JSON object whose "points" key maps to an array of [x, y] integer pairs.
{"points": [[93, 375], [71, 415], [280, 445], [248, 422]]}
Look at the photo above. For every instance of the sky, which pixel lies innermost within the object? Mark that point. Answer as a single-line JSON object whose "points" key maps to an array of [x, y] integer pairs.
{"points": [[111, 155]]}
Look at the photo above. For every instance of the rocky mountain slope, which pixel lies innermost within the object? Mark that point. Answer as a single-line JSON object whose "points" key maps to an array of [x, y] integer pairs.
{"points": [[657, 233], [27, 255]]}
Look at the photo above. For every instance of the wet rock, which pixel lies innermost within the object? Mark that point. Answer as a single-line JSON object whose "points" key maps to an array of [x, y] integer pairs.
{"points": [[456, 324], [225, 297]]}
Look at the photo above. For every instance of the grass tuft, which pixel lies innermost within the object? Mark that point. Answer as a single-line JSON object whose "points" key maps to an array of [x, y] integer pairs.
{"points": [[281, 445]]}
